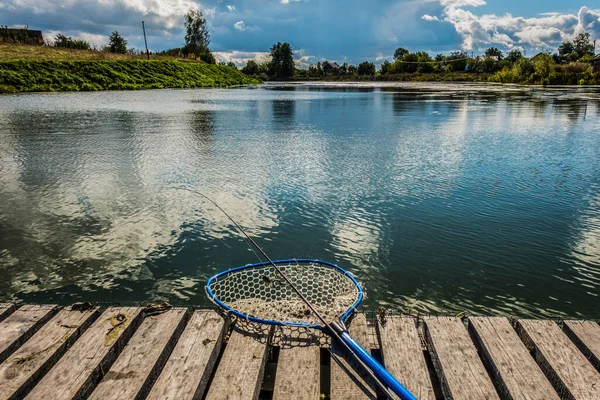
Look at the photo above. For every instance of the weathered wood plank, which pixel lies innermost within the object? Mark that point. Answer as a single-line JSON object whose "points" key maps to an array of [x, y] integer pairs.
{"points": [[348, 379], [190, 366], [81, 368], [6, 310], [461, 372], [142, 359], [20, 325], [571, 374], [23, 368], [402, 355], [298, 366], [514, 370], [241, 368], [586, 336]]}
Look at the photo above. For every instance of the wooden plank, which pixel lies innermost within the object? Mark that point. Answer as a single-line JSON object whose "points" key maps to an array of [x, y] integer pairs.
{"points": [[20, 325], [348, 379], [81, 368], [514, 370], [190, 366], [461, 372], [571, 374], [142, 359], [23, 369], [586, 336], [402, 355], [6, 310], [298, 365], [241, 368]]}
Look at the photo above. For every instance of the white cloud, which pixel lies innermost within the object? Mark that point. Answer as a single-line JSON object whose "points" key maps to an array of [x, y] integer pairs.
{"points": [[240, 58], [462, 3], [289, 1], [480, 31], [240, 26], [230, 7], [430, 18]]}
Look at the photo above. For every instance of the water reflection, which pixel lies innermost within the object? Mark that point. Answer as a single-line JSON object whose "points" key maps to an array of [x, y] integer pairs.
{"points": [[439, 199]]}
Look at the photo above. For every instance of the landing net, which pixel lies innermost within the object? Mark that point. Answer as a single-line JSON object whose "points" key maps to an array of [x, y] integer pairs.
{"points": [[259, 293]]}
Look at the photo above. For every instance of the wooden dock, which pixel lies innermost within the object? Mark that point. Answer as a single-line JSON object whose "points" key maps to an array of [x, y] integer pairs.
{"points": [[83, 351]]}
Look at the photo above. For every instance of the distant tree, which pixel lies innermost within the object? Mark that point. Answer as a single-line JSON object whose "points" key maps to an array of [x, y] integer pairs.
{"points": [[208, 57], [543, 66], [385, 67], [366, 68], [352, 69], [282, 60], [566, 48], [514, 55], [251, 68], [117, 44], [344, 68], [231, 64], [583, 45], [494, 52], [69, 43], [457, 60], [400, 52], [197, 37]]}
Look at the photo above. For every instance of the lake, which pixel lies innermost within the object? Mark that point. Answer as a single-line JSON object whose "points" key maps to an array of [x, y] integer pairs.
{"points": [[439, 198]]}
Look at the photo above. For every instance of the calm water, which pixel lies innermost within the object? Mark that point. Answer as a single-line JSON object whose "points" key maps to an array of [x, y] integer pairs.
{"points": [[439, 198]]}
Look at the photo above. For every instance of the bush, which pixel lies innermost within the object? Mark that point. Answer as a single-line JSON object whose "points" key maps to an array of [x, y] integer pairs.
{"points": [[69, 43]]}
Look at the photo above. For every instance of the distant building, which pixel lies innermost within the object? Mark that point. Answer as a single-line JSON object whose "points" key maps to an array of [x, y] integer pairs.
{"points": [[21, 35]]}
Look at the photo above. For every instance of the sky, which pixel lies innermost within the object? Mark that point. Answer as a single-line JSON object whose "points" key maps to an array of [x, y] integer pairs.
{"points": [[338, 30]]}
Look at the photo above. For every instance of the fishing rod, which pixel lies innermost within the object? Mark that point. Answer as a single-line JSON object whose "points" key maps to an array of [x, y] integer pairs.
{"points": [[334, 329]]}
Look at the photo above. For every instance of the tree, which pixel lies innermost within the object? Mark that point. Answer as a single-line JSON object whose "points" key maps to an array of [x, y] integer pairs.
{"points": [[282, 60], [385, 67], [197, 37], [68, 43], [366, 68], [494, 52], [400, 52], [566, 48], [514, 55], [231, 64], [457, 60], [251, 68], [117, 44], [583, 45], [543, 65]]}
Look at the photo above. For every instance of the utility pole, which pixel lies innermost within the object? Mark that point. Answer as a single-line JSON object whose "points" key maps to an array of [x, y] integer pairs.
{"points": [[145, 41]]}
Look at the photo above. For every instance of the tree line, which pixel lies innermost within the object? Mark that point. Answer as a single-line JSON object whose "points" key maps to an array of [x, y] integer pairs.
{"points": [[570, 64]]}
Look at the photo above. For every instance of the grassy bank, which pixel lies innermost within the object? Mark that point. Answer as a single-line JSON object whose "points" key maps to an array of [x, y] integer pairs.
{"points": [[51, 76]]}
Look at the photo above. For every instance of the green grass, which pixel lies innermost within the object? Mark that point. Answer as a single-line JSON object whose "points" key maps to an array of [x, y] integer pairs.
{"points": [[53, 76]]}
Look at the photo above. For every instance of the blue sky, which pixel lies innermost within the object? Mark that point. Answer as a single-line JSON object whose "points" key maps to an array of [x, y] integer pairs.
{"points": [[338, 30]]}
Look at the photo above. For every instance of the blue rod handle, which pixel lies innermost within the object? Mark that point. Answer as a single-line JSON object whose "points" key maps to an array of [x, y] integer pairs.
{"points": [[381, 373]]}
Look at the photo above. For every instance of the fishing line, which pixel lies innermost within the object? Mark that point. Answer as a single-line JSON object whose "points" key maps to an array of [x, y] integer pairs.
{"points": [[330, 330]]}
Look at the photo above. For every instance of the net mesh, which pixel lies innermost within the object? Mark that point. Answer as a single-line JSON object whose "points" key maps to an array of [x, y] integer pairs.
{"points": [[261, 292]]}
